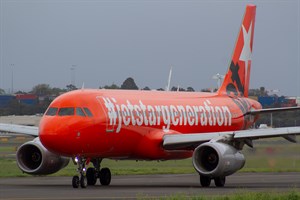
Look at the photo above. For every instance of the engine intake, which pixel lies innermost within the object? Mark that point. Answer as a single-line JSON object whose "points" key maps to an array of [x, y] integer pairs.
{"points": [[215, 159], [34, 158]]}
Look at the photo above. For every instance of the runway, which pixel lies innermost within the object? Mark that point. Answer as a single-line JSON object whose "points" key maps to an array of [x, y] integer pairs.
{"points": [[144, 186]]}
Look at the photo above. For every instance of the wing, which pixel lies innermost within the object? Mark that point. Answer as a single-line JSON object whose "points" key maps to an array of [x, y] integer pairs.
{"points": [[21, 129], [190, 141], [270, 110]]}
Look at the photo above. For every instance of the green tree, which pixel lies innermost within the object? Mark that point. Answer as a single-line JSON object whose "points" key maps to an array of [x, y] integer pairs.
{"points": [[258, 92], [146, 88], [2, 91], [205, 90], [57, 91], [254, 92], [179, 89], [41, 90], [129, 84], [174, 88], [20, 92], [71, 87], [112, 86], [263, 91], [190, 89]]}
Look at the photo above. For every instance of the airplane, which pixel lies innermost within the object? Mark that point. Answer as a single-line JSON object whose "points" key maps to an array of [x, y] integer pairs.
{"points": [[89, 125]]}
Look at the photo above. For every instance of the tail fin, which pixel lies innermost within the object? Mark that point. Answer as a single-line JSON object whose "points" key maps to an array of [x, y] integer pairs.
{"points": [[236, 81]]}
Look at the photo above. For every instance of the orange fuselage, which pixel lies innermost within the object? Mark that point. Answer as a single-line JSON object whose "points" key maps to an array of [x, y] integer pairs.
{"points": [[131, 124]]}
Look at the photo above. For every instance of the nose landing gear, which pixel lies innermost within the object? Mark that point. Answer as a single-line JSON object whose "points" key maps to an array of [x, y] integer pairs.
{"points": [[90, 176], [81, 179]]}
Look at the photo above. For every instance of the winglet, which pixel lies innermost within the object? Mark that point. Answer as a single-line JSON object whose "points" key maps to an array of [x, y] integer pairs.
{"points": [[236, 81]]}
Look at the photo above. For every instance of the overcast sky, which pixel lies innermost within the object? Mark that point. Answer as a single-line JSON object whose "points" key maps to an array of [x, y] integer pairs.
{"points": [[108, 41]]}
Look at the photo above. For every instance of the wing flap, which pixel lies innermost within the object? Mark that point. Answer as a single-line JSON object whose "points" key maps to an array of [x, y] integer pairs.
{"points": [[267, 133], [21, 129], [187, 141], [190, 141]]}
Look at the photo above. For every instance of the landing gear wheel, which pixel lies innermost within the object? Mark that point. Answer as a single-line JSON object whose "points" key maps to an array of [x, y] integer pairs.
{"points": [[205, 181], [105, 176], [75, 182], [83, 182], [91, 176], [220, 181]]}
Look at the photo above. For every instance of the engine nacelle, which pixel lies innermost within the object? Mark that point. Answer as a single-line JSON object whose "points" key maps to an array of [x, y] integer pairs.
{"points": [[34, 158], [215, 159]]}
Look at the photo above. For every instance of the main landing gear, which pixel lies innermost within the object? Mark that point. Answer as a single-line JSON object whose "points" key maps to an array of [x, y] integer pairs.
{"points": [[205, 181], [90, 176], [93, 173]]}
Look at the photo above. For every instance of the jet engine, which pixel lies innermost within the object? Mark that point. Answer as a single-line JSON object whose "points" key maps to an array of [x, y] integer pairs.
{"points": [[33, 158], [216, 159]]}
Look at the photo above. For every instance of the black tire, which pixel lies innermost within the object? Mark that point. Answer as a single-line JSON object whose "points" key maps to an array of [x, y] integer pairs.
{"points": [[105, 176], [75, 182], [205, 181], [220, 181], [83, 182], [91, 176]]}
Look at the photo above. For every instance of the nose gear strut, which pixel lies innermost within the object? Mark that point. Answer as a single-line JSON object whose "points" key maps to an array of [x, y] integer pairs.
{"points": [[81, 179]]}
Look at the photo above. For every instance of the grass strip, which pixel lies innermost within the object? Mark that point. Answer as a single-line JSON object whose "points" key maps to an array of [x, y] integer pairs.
{"points": [[292, 195]]}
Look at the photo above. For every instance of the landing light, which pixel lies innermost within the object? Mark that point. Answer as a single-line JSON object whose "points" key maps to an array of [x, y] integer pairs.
{"points": [[76, 159]]}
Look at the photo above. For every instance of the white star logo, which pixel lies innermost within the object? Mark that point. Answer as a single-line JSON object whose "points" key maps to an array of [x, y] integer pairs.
{"points": [[246, 51]]}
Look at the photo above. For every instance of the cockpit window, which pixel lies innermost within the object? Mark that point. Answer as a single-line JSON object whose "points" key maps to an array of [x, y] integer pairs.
{"points": [[79, 112], [66, 111], [88, 112], [51, 111]]}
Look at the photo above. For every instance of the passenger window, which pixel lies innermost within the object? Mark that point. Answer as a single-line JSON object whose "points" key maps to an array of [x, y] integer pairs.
{"points": [[51, 111], [88, 112], [79, 112], [66, 111]]}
